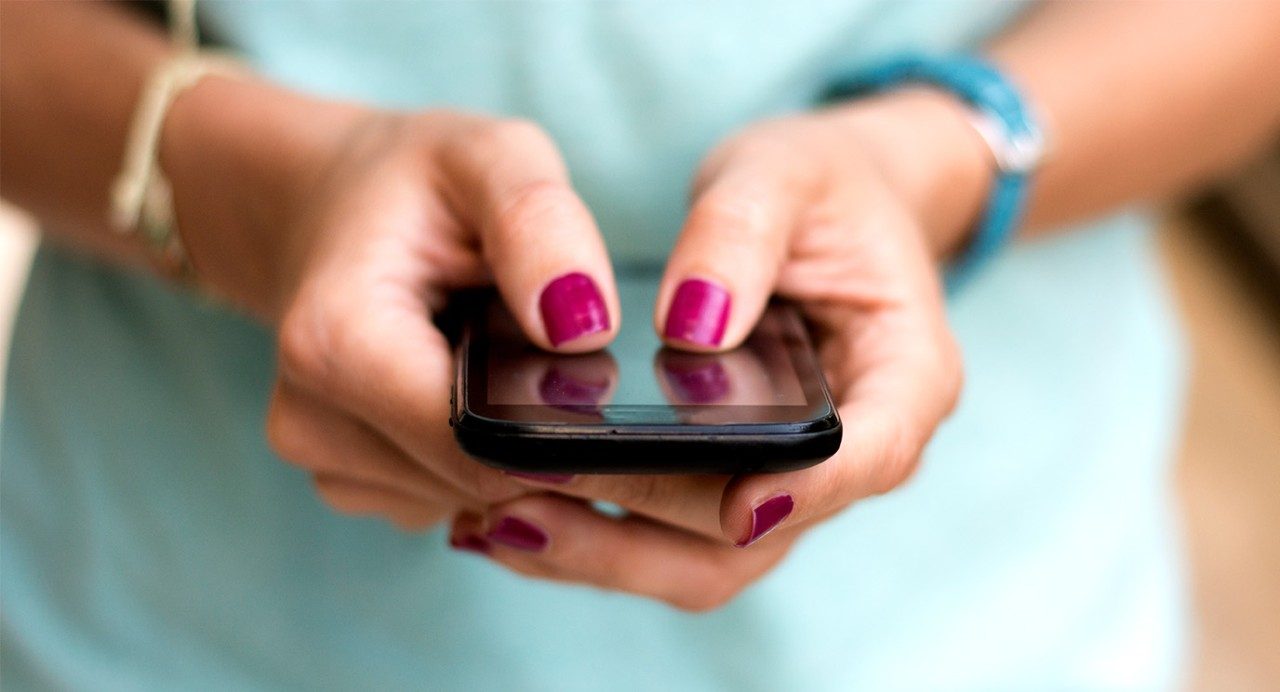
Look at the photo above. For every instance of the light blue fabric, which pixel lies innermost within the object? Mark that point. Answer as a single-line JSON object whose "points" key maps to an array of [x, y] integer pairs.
{"points": [[149, 540]]}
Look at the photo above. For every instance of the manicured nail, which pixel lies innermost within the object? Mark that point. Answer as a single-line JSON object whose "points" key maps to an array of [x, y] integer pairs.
{"points": [[766, 516], [572, 307], [518, 534], [470, 543], [555, 478], [699, 312]]}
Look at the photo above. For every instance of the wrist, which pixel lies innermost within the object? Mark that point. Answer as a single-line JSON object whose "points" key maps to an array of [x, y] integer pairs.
{"points": [[240, 155], [930, 153]]}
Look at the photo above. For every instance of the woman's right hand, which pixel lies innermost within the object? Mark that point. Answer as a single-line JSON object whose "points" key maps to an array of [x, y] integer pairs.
{"points": [[364, 222]]}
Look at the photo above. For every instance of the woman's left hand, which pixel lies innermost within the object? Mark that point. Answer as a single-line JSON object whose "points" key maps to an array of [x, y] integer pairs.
{"points": [[844, 211]]}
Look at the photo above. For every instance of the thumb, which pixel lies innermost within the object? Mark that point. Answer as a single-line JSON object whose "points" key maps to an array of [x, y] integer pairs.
{"points": [[725, 264]]}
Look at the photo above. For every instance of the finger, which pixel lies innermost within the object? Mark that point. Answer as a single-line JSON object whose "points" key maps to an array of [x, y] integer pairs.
{"points": [[565, 540], [726, 261], [388, 366], [903, 377], [688, 502], [540, 241], [329, 442], [358, 499]]}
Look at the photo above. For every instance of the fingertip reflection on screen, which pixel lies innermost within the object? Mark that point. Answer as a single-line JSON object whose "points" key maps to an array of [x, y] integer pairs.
{"points": [[638, 370], [692, 378]]}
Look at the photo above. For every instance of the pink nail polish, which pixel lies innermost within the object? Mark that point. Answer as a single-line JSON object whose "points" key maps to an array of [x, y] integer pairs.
{"points": [[572, 307], [699, 313], [767, 516], [518, 534]]}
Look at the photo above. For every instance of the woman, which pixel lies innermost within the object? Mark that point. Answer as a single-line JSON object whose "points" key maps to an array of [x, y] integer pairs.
{"points": [[152, 539]]}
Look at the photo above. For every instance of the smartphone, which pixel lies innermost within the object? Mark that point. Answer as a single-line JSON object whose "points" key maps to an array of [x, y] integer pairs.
{"points": [[640, 407]]}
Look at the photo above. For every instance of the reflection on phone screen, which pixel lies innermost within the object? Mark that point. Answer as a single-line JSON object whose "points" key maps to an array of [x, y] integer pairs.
{"points": [[637, 370]]}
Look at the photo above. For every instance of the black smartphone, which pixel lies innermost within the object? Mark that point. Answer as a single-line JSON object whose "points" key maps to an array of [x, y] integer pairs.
{"points": [[637, 406]]}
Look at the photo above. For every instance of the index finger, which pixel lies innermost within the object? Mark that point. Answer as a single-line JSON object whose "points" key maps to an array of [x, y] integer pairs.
{"points": [[725, 264], [538, 238]]}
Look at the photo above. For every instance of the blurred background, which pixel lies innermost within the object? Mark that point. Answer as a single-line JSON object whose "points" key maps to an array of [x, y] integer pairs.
{"points": [[1221, 249]]}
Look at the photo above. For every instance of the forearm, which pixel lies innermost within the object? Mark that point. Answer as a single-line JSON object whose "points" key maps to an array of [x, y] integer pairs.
{"points": [[71, 76], [237, 151], [1142, 99]]}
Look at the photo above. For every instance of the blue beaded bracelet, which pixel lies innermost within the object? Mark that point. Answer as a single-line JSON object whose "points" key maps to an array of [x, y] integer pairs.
{"points": [[1003, 119]]}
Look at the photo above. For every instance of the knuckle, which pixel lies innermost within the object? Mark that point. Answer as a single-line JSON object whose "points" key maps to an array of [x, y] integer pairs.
{"points": [[535, 569], [305, 347], [715, 163], [898, 460], [338, 501], [323, 343], [486, 144], [882, 462], [286, 433], [607, 569], [734, 218], [688, 604], [766, 144], [728, 210], [827, 218], [710, 597], [773, 144], [894, 474], [491, 488], [954, 376], [529, 208], [715, 581], [506, 134]]}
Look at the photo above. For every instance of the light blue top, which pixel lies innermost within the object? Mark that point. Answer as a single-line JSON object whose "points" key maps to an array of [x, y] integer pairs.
{"points": [[149, 540]]}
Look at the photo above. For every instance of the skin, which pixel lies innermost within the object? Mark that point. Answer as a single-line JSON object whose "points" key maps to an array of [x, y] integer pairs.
{"points": [[343, 228]]}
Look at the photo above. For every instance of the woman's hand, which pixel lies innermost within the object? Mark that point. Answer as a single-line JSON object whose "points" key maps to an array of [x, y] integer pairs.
{"points": [[843, 212], [367, 224]]}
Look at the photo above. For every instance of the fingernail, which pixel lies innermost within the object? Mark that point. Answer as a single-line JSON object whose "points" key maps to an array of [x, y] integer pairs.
{"points": [[470, 543], [518, 534], [556, 478], [766, 516], [699, 312], [572, 307]]}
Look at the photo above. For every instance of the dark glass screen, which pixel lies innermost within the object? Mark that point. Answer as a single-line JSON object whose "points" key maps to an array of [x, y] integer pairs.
{"points": [[636, 370]]}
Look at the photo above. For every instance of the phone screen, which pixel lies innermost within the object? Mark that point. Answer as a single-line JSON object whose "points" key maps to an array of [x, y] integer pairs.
{"points": [[636, 370], [769, 378]]}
